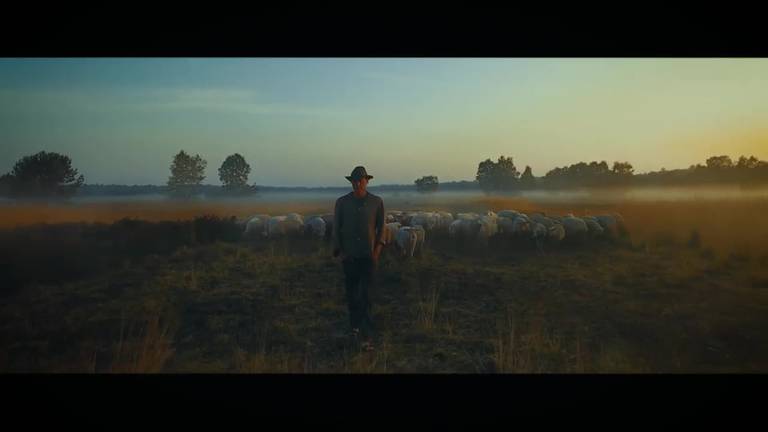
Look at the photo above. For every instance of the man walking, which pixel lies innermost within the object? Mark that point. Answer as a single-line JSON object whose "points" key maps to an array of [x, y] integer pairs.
{"points": [[358, 226]]}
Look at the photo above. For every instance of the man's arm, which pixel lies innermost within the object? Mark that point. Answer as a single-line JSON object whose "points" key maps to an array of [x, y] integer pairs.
{"points": [[337, 228], [379, 229]]}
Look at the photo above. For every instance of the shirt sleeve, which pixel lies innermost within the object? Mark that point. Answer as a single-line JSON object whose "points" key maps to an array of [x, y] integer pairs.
{"points": [[337, 225], [380, 222]]}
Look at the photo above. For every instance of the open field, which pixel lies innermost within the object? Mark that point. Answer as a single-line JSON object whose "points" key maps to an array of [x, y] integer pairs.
{"points": [[688, 293]]}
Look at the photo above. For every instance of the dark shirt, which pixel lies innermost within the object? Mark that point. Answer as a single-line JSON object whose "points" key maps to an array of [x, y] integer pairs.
{"points": [[358, 224]]}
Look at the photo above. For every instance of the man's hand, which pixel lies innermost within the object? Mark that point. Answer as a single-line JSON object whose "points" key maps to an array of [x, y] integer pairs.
{"points": [[377, 252]]}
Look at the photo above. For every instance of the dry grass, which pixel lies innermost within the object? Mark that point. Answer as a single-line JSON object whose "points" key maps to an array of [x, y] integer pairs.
{"points": [[534, 349], [263, 362], [724, 227], [147, 353], [153, 211], [427, 310], [362, 362], [659, 305]]}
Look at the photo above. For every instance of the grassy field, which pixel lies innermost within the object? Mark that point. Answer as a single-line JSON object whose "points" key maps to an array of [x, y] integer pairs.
{"points": [[688, 293]]}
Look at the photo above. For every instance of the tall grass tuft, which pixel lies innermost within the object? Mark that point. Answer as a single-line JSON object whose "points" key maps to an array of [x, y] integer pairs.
{"points": [[147, 353], [427, 309]]}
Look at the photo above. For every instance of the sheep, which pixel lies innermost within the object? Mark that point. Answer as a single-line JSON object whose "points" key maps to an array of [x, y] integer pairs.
{"points": [[468, 216], [511, 214], [407, 218], [428, 220], [556, 233], [296, 217], [575, 228], [398, 216], [465, 232], [390, 232], [542, 219], [444, 219], [521, 225], [488, 229], [621, 224], [613, 225], [315, 227], [593, 227], [453, 228], [539, 234], [420, 238], [506, 226], [406, 239], [609, 225], [283, 225], [256, 226]]}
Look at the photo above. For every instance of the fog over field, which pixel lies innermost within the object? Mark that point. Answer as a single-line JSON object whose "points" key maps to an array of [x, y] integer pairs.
{"points": [[413, 198]]}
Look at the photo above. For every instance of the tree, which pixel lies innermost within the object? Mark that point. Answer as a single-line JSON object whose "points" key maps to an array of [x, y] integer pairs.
{"points": [[623, 169], [6, 184], [44, 174], [187, 173], [507, 173], [499, 175], [581, 174], [748, 163], [527, 180], [427, 184], [719, 162], [485, 174], [234, 171]]}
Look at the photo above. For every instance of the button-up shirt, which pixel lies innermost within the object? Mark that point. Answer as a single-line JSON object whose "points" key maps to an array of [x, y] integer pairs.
{"points": [[358, 224]]}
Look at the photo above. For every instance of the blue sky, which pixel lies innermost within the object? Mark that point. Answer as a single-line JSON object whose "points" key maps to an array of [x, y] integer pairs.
{"points": [[310, 121]]}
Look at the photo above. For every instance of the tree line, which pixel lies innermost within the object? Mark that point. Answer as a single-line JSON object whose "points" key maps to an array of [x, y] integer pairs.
{"points": [[49, 174], [503, 175]]}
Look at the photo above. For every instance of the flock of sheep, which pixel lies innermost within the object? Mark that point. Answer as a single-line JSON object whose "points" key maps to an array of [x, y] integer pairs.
{"points": [[408, 231]]}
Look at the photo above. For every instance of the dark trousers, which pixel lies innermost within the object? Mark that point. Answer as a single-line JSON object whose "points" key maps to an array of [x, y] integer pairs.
{"points": [[359, 278]]}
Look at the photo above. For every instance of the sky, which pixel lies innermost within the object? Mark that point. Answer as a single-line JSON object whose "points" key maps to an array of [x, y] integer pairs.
{"points": [[310, 121]]}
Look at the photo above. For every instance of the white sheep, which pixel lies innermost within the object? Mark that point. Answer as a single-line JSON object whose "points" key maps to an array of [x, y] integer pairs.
{"points": [[256, 226], [593, 227], [296, 217], [511, 214], [390, 232], [575, 228], [315, 226], [556, 233], [282, 225], [406, 240]]}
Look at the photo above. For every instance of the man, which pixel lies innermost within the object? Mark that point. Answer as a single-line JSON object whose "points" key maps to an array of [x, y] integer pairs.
{"points": [[358, 227]]}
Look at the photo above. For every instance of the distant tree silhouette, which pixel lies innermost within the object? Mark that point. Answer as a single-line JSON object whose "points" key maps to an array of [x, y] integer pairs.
{"points": [[6, 184], [527, 180], [233, 174], [748, 163], [581, 174], [718, 170], [427, 184], [719, 162], [187, 174], [623, 169], [43, 174], [499, 175]]}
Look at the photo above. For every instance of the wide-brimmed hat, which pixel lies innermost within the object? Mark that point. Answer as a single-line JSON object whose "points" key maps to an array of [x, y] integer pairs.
{"points": [[358, 173]]}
